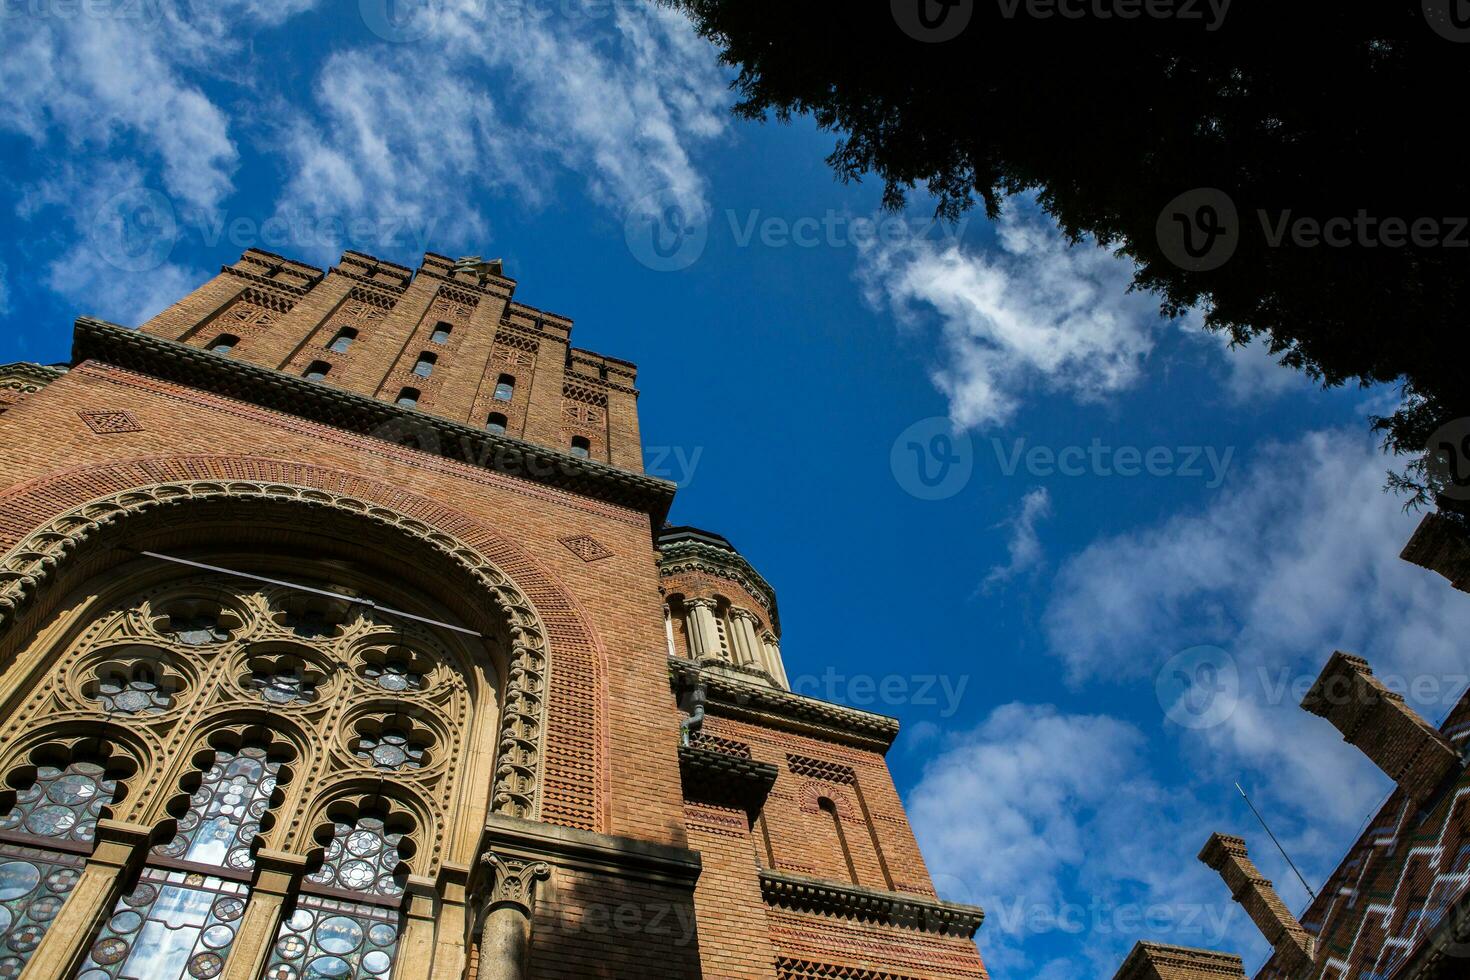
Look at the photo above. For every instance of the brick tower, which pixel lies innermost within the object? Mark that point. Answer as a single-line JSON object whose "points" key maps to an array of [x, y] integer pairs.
{"points": [[342, 635]]}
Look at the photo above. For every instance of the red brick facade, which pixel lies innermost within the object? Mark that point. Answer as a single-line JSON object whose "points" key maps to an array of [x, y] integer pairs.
{"points": [[773, 845]]}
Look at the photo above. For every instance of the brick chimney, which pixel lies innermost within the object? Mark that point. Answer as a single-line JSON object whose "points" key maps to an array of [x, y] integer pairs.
{"points": [[1156, 961], [1377, 721], [1228, 856]]}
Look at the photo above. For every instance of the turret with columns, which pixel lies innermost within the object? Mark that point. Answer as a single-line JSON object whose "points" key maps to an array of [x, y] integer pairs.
{"points": [[718, 610]]}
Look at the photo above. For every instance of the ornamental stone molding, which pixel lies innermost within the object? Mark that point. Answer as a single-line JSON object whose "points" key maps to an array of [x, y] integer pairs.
{"points": [[683, 556], [712, 776], [28, 378], [514, 881], [33, 563], [749, 701], [801, 893], [207, 371]]}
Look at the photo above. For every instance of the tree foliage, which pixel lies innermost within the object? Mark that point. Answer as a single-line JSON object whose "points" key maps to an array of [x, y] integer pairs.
{"points": [[1296, 111]]}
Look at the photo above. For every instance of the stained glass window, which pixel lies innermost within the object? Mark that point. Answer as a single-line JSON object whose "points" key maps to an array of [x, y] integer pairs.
{"points": [[394, 675], [309, 624], [281, 684], [362, 857], [171, 926], [63, 805], [181, 923], [139, 694], [337, 940], [390, 749], [197, 629], [341, 939], [225, 811]]}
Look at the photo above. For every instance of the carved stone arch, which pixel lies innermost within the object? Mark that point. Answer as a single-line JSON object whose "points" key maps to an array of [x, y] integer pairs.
{"points": [[133, 512], [132, 751], [229, 729], [414, 814]]}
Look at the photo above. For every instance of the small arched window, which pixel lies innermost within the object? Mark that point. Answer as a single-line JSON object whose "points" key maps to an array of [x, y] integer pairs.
{"points": [[496, 423], [505, 388], [828, 807], [581, 446], [343, 340], [318, 370], [425, 365], [409, 398], [224, 343], [441, 333]]}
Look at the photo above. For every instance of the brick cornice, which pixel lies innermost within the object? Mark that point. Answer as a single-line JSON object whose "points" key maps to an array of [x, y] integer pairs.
{"points": [[786, 711], [801, 893], [267, 388], [1148, 961], [25, 376], [715, 777]]}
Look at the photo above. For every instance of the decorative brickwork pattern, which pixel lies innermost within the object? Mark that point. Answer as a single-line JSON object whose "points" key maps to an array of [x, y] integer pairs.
{"points": [[834, 772], [110, 423], [586, 547]]}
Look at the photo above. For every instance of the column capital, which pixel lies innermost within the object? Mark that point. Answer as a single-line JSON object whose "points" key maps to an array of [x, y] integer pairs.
{"points": [[514, 882], [120, 843], [743, 614], [698, 603], [278, 873]]}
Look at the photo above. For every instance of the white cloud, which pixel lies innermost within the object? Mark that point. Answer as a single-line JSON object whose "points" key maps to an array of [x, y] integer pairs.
{"points": [[84, 78], [1051, 822], [1026, 553], [620, 99], [1296, 558], [1032, 313]]}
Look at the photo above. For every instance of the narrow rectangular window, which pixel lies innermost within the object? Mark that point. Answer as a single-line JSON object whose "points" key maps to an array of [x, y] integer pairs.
{"points": [[343, 340], [318, 370], [409, 397], [441, 333], [505, 388], [425, 365]]}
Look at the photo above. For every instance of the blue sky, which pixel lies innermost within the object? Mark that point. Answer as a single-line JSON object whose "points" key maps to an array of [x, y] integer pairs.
{"points": [[923, 436]]}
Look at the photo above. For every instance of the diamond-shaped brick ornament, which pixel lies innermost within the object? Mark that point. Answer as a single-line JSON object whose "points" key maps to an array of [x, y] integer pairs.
{"points": [[586, 548]]}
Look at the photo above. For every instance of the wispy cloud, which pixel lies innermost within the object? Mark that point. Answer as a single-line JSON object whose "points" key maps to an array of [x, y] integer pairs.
{"points": [[1026, 553], [619, 100], [1032, 314], [1057, 858]]}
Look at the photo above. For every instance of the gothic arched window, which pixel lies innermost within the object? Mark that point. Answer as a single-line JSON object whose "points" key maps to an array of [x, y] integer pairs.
{"points": [[45, 837], [180, 920], [348, 929]]}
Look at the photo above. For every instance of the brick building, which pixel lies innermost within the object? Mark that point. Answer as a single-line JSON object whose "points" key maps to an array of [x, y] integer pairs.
{"points": [[342, 635], [1398, 906]]}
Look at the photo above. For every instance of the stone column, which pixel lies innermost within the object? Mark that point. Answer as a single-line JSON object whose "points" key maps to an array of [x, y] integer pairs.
{"points": [[450, 944], [669, 628], [120, 848], [704, 638], [416, 944], [277, 876], [747, 645], [1292, 943], [505, 942], [772, 648]]}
